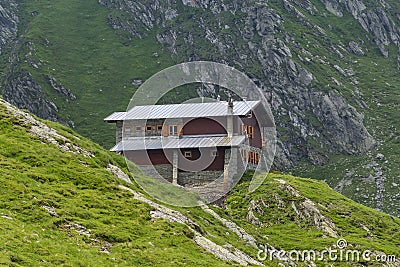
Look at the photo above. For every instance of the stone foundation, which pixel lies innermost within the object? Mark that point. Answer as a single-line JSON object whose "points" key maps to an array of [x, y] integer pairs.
{"points": [[198, 178], [189, 179]]}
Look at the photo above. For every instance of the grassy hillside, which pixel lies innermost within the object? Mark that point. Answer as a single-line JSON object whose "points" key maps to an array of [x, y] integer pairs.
{"points": [[74, 44], [61, 206], [84, 195]]}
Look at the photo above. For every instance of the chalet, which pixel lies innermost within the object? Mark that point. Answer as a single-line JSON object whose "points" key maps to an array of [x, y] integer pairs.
{"points": [[191, 144]]}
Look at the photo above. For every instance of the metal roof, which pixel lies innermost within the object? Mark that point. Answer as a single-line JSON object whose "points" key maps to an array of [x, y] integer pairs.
{"points": [[146, 143], [116, 116], [192, 110]]}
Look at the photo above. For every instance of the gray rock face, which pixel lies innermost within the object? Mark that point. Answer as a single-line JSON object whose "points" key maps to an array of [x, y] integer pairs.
{"points": [[374, 20], [355, 48], [252, 42], [8, 22], [61, 89], [25, 93], [19, 88]]}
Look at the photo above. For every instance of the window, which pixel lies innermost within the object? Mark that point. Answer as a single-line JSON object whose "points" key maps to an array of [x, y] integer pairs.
{"points": [[173, 130], [254, 157], [248, 129], [127, 130], [149, 128], [251, 157], [187, 154], [159, 127], [138, 129]]}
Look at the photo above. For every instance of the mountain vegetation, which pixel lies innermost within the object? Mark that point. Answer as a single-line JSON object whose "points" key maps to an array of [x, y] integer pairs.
{"points": [[65, 201], [330, 69]]}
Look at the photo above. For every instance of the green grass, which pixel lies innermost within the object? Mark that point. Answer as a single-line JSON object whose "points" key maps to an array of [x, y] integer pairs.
{"points": [[97, 63], [285, 230], [35, 174], [89, 58], [379, 81]]}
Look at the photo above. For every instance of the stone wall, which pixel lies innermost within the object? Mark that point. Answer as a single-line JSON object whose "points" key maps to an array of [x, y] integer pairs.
{"points": [[198, 178], [164, 171]]}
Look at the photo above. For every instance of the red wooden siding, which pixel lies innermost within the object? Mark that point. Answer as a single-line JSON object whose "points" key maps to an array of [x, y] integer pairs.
{"points": [[256, 141], [217, 164], [203, 126], [157, 157]]}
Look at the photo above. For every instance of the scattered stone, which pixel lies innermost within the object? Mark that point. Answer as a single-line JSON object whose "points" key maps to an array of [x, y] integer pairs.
{"points": [[44, 132], [137, 82], [50, 210], [119, 173], [61, 89], [6, 217], [356, 49], [162, 212], [77, 228]]}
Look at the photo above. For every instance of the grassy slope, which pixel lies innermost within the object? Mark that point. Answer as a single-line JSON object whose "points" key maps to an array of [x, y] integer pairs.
{"points": [[379, 82], [89, 58], [290, 232], [34, 174]]}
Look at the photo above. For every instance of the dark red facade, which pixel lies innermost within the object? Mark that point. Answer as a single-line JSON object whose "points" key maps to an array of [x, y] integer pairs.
{"points": [[204, 126], [212, 159], [256, 140]]}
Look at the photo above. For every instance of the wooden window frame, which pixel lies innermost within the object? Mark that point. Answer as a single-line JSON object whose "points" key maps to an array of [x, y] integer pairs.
{"points": [[136, 129], [151, 128], [245, 154], [187, 154], [251, 157], [173, 133], [126, 129], [159, 127], [250, 131], [254, 157], [243, 128]]}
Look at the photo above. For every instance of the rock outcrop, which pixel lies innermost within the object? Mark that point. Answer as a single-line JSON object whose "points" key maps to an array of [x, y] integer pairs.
{"points": [[22, 91], [8, 22], [374, 20], [251, 41]]}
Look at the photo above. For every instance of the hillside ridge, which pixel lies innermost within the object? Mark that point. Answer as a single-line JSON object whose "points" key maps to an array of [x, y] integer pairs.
{"points": [[66, 200]]}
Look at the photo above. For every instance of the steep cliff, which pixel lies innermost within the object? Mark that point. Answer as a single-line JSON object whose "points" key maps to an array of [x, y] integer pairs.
{"points": [[8, 23], [316, 62], [18, 85]]}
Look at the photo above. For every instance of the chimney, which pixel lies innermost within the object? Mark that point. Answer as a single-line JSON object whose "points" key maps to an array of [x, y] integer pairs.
{"points": [[229, 118], [230, 105]]}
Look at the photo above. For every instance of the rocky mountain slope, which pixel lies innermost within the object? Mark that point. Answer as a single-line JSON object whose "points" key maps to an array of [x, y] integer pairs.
{"points": [[328, 67], [67, 201]]}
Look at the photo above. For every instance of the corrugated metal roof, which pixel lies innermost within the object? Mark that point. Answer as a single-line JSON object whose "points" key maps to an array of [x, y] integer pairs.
{"points": [[143, 143], [192, 110], [116, 116]]}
